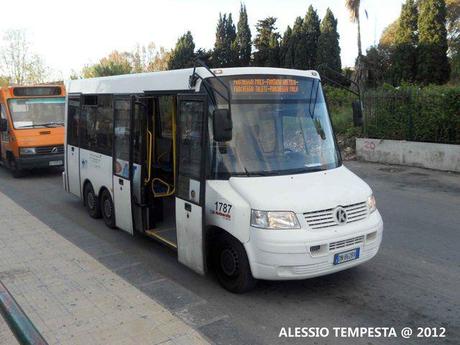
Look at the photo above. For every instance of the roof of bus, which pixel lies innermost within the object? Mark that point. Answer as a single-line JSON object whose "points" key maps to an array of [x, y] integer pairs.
{"points": [[174, 80]]}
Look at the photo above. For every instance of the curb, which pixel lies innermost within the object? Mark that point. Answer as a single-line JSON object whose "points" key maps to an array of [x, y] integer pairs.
{"points": [[21, 326]]}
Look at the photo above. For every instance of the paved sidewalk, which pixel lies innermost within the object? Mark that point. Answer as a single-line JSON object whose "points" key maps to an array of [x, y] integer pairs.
{"points": [[70, 297]]}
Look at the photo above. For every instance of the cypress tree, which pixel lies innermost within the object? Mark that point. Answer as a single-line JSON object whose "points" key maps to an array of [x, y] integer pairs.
{"points": [[217, 53], [286, 51], [183, 54], [243, 38], [406, 40], [266, 43], [298, 47], [273, 59], [432, 63], [311, 31], [225, 52], [328, 43]]}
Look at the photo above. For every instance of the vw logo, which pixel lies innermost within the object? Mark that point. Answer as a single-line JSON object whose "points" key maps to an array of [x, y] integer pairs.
{"points": [[54, 150], [340, 215]]}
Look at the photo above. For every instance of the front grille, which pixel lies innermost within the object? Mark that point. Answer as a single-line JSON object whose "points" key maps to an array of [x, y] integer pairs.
{"points": [[346, 243], [50, 150], [326, 218]]}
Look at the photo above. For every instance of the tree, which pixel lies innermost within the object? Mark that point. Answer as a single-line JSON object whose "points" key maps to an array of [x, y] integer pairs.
{"points": [[353, 7], [204, 55], [243, 38], [404, 57], [17, 63], [160, 60], [266, 43], [388, 37], [433, 64], [453, 35], [311, 32], [183, 54], [377, 62], [4, 81], [115, 63], [299, 49], [225, 53], [328, 43], [273, 59], [286, 49], [453, 23]]}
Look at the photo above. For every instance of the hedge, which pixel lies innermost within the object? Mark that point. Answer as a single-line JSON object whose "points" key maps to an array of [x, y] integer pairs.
{"points": [[339, 103], [429, 114]]}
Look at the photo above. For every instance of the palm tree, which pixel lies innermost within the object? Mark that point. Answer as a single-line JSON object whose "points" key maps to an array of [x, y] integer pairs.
{"points": [[353, 8]]}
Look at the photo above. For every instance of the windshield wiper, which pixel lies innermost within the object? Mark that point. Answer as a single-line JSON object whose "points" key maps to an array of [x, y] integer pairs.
{"points": [[47, 124], [50, 124]]}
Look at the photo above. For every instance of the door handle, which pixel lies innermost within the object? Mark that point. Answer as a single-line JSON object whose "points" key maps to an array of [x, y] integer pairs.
{"points": [[72, 149], [121, 182], [188, 207]]}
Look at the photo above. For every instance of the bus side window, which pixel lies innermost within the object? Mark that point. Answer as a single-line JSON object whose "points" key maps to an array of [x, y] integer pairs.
{"points": [[97, 124], [73, 121], [3, 134]]}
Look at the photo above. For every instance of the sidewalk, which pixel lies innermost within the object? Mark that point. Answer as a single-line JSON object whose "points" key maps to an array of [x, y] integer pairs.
{"points": [[70, 297], [6, 336]]}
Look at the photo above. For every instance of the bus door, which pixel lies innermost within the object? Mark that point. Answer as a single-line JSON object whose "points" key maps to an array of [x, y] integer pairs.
{"points": [[190, 185], [122, 163], [73, 145]]}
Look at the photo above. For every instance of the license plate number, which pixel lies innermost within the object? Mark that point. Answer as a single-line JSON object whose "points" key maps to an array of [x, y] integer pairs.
{"points": [[55, 163], [347, 256]]}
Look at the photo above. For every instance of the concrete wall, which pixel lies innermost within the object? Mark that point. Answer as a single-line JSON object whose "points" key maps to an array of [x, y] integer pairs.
{"points": [[426, 155]]}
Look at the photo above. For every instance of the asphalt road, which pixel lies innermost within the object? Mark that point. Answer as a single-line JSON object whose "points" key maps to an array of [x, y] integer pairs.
{"points": [[414, 281]]}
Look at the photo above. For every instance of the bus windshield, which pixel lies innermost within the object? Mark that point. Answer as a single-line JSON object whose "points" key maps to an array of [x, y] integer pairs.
{"points": [[280, 126], [37, 112]]}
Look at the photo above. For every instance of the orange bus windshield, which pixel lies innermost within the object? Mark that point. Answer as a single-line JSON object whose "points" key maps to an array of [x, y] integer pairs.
{"points": [[37, 112]]}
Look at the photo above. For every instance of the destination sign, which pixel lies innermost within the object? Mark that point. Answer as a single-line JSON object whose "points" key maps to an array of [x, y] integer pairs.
{"points": [[265, 85]]}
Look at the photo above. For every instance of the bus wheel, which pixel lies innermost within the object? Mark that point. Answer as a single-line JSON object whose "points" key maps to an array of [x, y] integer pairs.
{"points": [[107, 209], [232, 265], [91, 201]]}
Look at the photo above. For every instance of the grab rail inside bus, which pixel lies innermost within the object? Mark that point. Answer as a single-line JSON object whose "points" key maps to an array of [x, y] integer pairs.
{"points": [[149, 156]]}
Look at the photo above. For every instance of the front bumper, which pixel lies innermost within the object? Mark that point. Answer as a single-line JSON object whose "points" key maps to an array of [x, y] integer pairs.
{"points": [[39, 161], [287, 254]]}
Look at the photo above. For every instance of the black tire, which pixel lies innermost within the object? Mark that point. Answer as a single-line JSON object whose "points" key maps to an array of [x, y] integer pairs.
{"points": [[15, 171], [107, 209], [91, 201], [231, 265]]}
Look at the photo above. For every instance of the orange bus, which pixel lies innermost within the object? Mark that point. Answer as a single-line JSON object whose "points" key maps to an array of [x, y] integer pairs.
{"points": [[32, 127]]}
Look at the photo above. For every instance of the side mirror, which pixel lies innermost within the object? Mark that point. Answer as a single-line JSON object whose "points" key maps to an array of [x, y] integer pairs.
{"points": [[222, 125], [3, 125], [357, 113]]}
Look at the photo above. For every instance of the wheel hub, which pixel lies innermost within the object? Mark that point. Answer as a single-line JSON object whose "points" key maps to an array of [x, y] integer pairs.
{"points": [[107, 208], [90, 200], [229, 262]]}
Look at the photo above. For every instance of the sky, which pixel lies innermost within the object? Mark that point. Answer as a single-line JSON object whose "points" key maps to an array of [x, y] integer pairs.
{"points": [[70, 35]]}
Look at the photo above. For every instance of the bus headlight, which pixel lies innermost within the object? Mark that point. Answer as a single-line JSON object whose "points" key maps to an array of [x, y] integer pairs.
{"points": [[371, 204], [27, 151], [274, 220]]}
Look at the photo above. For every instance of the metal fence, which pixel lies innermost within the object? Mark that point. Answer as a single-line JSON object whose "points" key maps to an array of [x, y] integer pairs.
{"points": [[429, 115]]}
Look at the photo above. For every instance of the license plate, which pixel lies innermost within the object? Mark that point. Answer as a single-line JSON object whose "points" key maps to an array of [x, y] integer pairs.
{"points": [[350, 255], [55, 163]]}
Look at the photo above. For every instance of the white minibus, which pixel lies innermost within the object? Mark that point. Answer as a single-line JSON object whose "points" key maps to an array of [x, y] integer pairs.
{"points": [[237, 169]]}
